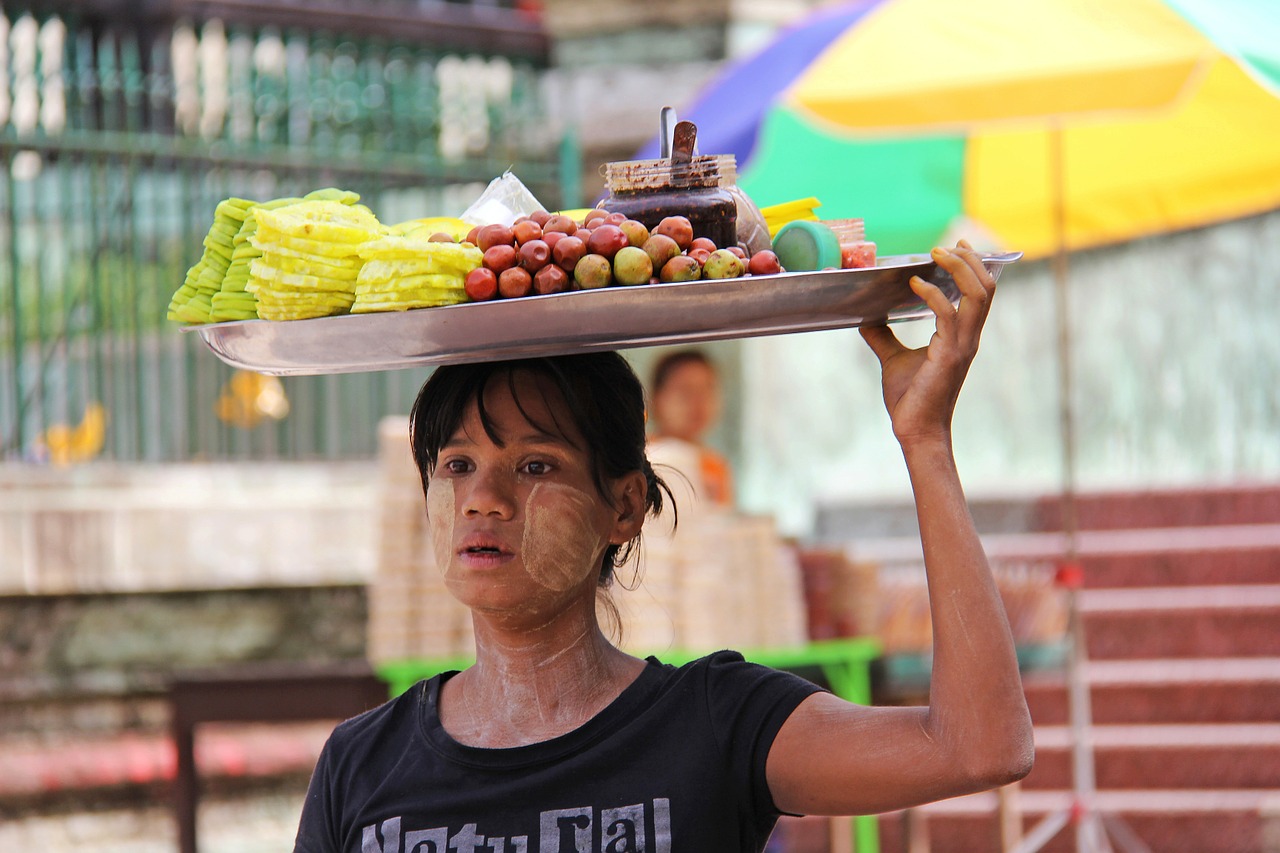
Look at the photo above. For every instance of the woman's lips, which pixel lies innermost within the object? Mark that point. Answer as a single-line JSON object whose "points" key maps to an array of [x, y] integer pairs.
{"points": [[482, 550]]}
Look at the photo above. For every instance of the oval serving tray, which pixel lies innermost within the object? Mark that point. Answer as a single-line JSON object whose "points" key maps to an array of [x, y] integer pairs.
{"points": [[610, 318]]}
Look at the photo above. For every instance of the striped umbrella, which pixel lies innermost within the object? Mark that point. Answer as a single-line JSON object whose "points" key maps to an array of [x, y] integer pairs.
{"points": [[1037, 125], [1040, 125]]}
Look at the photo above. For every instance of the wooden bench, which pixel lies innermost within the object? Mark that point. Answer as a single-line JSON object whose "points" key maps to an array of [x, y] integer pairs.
{"points": [[257, 694]]}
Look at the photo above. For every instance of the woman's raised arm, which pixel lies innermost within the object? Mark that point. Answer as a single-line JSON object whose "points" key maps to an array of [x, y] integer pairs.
{"points": [[833, 757]]}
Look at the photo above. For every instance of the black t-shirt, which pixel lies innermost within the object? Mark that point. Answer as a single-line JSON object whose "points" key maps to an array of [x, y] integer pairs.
{"points": [[675, 764]]}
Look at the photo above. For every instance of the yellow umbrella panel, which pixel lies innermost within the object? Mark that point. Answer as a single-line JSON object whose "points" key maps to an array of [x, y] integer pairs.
{"points": [[914, 65], [1210, 157], [923, 115]]}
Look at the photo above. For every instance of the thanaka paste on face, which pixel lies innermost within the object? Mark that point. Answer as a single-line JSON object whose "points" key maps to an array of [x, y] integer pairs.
{"points": [[440, 520], [559, 534]]}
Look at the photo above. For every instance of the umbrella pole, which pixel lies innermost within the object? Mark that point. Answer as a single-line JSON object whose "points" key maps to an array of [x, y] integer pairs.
{"points": [[1091, 829]]}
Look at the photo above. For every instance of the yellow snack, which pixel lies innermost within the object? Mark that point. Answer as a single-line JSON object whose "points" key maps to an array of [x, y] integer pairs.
{"points": [[456, 228], [233, 207], [380, 270], [246, 231], [231, 298], [263, 275], [194, 310], [210, 279], [222, 250], [332, 252], [324, 221], [333, 194], [312, 247], [399, 256], [235, 284], [405, 271], [299, 299], [408, 302], [405, 284], [224, 231], [444, 290], [341, 268], [271, 312], [277, 203], [226, 306]]}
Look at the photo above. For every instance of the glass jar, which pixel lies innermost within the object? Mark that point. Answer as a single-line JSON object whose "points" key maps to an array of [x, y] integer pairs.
{"points": [[651, 190], [753, 231]]}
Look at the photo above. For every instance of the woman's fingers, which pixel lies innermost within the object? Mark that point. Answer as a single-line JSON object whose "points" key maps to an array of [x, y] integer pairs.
{"points": [[974, 259], [883, 342], [975, 283], [937, 301]]}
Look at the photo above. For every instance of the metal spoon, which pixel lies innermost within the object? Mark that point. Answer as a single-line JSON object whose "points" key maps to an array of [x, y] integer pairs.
{"points": [[666, 127]]}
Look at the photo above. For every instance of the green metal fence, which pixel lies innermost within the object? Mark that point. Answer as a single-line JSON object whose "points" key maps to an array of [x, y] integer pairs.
{"points": [[116, 143]]}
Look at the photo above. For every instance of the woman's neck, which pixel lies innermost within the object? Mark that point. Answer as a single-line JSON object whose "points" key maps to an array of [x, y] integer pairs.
{"points": [[531, 685]]}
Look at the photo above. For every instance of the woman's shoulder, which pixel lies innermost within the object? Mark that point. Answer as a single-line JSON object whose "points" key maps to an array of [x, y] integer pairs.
{"points": [[727, 670], [391, 722]]}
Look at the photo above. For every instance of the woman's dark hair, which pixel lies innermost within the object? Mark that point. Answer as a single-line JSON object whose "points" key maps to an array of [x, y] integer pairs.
{"points": [[604, 398], [671, 362]]}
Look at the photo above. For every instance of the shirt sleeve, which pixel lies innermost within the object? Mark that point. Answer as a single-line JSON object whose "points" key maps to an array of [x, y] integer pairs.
{"points": [[748, 704], [316, 830]]}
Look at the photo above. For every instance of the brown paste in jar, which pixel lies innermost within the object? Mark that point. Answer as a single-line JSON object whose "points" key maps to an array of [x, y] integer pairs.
{"points": [[651, 190]]}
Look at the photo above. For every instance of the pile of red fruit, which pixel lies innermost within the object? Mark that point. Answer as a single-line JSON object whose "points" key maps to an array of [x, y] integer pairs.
{"points": [[553, 253]]}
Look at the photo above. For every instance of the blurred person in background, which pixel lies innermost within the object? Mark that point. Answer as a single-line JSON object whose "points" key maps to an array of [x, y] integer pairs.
{"points": [[684, 405]]}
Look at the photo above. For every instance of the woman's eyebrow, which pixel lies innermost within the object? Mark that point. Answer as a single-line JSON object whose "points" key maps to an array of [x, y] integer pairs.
{"points": [[534, 437], [538, 437]]}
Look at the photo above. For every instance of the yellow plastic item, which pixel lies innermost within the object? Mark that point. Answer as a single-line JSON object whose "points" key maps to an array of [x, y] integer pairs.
{"points": [[577, 214], [778, 215]]}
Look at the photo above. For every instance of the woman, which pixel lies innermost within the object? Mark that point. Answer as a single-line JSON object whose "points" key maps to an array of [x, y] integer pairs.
{"points": [[555, 740], [685, 403]]}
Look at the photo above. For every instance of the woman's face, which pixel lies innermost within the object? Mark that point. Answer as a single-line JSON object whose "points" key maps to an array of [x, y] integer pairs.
{"points": [[688, 404], [520, 528]]}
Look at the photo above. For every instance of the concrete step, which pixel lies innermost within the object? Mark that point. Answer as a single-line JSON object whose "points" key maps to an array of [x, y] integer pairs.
{"points": [[1189, 690], [1198, 821], [1254, 503], [1178, 755], [1186, 569], [1182, 622], [1236, 554], [1203, 556]]}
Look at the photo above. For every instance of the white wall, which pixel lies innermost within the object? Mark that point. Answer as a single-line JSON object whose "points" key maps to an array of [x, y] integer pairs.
{"points": [[1176, 366]]}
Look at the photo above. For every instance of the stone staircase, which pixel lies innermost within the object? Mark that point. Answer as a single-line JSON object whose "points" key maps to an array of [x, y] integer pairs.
{"points": [[1181, 612]]}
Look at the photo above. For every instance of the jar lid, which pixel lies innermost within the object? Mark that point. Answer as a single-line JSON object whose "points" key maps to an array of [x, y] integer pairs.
{"points": [[806, 245], [699, 172]]}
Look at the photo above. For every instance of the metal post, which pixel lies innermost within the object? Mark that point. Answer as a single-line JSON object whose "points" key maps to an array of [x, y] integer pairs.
{"points": [[1090, 831]]}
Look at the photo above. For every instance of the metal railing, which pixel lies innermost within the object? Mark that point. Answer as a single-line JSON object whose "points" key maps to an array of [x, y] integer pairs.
{"points": [[118, 138]]}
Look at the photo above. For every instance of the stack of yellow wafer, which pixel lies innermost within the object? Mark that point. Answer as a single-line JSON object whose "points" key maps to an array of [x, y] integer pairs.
{"points": [[402, 272], [234, 302], [193, 301], [310, 258]]}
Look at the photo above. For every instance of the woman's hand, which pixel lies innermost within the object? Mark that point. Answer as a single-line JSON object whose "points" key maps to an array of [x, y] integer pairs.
{"points": [[921, 385]]}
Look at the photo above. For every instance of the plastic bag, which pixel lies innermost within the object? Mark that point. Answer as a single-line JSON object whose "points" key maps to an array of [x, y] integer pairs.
{"points": [[505, 199], [753, 231]]}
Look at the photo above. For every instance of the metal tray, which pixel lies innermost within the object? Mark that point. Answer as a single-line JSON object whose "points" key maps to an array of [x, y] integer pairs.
{"points": [[583, 321]]}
